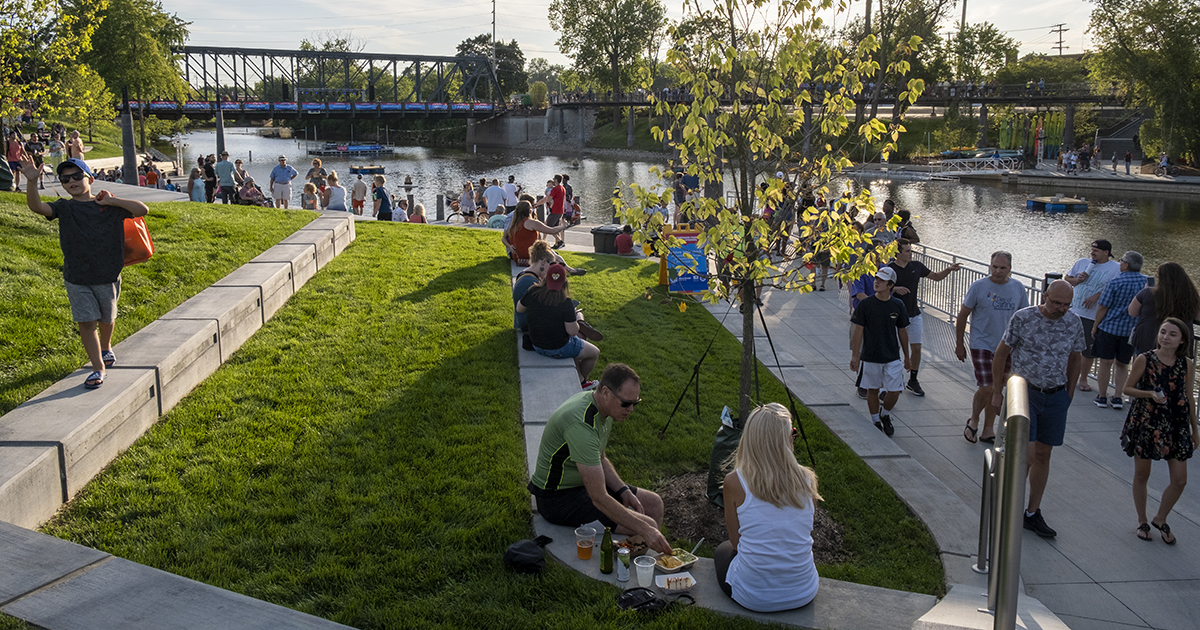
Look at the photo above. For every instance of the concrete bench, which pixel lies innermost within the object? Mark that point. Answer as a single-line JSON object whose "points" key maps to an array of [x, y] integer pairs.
{"points": [[183, 352], [237, 311], [30, 486], [87, 427], [302, 258], [322, 239], [274, 281], [55, 584], [342, 227]]}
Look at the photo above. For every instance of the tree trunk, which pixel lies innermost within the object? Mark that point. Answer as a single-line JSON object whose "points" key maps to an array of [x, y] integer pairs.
{"points": [[745, 391], [616, 83], [142, 119]]}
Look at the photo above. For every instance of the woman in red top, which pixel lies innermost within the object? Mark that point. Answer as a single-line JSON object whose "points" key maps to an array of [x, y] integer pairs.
{"points": [[522, 232]]}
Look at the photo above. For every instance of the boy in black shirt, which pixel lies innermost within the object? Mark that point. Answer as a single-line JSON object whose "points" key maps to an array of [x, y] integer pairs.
{"points": [[91, 233], [879, 337]]}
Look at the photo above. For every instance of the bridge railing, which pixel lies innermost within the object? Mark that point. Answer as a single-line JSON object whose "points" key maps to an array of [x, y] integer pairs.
{"points": [[974, 165]]}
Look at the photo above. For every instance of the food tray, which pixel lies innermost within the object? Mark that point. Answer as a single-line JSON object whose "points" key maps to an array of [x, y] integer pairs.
{"points": [[687, 558], [661, 582]]}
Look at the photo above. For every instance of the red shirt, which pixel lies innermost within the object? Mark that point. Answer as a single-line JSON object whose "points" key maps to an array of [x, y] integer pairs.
{"points": [[559, 195], [624, 243]]}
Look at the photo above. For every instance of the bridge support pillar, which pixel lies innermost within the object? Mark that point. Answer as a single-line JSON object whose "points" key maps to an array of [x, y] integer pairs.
{"points": [[220, 131], [983, 126], [629, 135], [562, 125], [582, 111], [470, 133], [1069, 128], [129, 151]]}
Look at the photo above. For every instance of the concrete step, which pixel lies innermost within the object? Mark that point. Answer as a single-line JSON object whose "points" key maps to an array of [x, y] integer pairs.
{"points": [[302, 257], [182, 352], [236, 309], [274, 281], [960, 610]]}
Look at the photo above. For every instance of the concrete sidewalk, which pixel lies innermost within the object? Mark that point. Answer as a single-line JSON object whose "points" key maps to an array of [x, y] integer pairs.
{"points": [[1095, 575]]}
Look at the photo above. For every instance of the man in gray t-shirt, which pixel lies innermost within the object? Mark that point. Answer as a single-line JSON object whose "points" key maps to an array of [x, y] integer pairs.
{"points": [[990, 302], [1088, 276], [1045, 343]]}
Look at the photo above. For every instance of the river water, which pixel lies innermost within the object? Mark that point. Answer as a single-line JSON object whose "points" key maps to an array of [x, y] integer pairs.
{"points": [[970, 220]]}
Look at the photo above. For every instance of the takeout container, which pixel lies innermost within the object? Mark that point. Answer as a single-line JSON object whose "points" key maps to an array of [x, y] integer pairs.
{"points": [[661, 582], [679, 553]]}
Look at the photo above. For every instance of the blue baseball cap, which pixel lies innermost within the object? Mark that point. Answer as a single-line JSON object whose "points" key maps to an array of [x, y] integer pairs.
{"points": [[76, 162]]}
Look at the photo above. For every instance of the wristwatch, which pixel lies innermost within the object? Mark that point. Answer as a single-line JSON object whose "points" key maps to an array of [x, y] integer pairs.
{"points": [[622, 490]]}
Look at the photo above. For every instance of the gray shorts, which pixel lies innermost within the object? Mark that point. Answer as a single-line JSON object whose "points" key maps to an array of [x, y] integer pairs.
{"points": [[93, 302]]}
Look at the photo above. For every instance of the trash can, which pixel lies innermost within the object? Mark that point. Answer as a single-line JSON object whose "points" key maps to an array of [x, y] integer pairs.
{"points": [[604, 238]]}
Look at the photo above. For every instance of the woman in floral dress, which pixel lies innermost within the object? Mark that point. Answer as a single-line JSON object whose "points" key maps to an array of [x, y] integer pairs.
{"points": [[1161, 422]]}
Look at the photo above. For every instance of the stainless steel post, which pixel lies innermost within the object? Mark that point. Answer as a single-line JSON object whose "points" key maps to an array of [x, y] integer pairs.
{"points": [[985, 515], [1012, 509], [997, 498]]}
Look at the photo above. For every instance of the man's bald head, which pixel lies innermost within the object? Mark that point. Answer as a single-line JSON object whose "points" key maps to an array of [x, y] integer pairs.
{"points": [[1057, 299]]}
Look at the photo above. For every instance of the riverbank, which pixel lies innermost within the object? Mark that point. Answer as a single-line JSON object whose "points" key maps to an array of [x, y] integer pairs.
{"points": [[1102, 179]]}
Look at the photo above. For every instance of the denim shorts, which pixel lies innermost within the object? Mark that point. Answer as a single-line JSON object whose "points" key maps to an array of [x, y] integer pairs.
{"points": [[93, 302], [571, 350], [1048, 416]]}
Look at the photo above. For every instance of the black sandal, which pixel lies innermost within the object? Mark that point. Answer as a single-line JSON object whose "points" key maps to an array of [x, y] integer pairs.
{"points": [[969, 434], [1166, 531], [1143, 532]]}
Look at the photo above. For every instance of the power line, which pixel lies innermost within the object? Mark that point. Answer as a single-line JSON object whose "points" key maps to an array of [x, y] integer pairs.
{"points": [[1059, 29]]}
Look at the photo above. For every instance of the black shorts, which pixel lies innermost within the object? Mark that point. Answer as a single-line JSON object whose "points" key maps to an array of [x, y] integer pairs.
{"points": [[554, 219], [572, 506], [1088, 341], [1109, 346]]}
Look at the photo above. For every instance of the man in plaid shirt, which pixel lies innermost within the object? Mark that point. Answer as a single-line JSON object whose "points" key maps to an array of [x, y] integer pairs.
{"points": [[1113, 325]]}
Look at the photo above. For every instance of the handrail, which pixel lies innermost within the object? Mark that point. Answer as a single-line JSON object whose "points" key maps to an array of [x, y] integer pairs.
{"points": [[1011, 512], [985, 512]]}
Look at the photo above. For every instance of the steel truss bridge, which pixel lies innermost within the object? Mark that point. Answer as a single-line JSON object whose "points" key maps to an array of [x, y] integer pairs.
{"points": [[264, 83]]}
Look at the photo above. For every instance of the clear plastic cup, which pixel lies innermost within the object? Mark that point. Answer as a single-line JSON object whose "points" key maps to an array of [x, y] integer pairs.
{"points": [[645, 571], [585, 539]]}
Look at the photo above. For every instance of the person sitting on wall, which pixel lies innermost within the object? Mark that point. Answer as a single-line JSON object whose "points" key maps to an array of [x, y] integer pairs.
{"points": [[554, 326]]}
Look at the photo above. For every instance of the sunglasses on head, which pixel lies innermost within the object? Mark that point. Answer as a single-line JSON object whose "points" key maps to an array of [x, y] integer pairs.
{"points": [[72, 177]]}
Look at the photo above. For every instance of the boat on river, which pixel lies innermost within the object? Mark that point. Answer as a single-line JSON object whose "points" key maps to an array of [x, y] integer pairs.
{"points": [[1057, 203], [368, 169]]}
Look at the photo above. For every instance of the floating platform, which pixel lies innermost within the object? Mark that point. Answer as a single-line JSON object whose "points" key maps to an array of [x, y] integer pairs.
{"points": [[369, 169], [333, 149], [1057, 203]]}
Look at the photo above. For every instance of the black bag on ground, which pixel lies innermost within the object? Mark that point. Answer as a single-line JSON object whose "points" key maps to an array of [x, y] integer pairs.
{"points": [[527, 556], [724, 445]]}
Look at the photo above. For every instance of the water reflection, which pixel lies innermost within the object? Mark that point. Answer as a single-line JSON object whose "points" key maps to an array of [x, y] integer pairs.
{"points": [[972, 220]]}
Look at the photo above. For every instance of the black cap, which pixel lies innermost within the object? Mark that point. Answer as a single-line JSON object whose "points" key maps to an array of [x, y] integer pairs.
{"points": [[1103, 244]]}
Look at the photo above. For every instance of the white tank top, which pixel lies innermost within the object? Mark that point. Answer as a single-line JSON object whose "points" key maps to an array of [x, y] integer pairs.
{"points": [[337, 198], [773, 569]]}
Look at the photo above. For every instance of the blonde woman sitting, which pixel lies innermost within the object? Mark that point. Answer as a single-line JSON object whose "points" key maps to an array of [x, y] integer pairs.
{"points": [[767, 563]]}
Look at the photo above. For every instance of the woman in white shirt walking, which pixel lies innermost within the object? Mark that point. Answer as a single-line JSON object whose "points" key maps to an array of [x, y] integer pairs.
{"points": [[767, 563]]}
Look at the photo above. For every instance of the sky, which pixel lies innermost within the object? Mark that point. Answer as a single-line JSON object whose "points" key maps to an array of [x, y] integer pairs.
{"points": [[435, 27]]}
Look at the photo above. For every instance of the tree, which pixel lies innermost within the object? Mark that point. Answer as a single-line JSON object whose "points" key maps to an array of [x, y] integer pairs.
{"points": [[605, 37], [981, 50], [39, 40], [83, 96], [510, 62], [551, 75], [132, 49], [754, 111], [1036, 67], [537, 93], [1149, 50]]}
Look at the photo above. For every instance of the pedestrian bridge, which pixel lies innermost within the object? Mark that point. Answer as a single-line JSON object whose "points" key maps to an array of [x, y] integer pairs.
{"points": [[975, 166]]}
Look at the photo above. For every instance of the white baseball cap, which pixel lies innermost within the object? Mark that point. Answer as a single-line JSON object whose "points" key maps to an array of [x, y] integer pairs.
{"points": [[886, 273]]}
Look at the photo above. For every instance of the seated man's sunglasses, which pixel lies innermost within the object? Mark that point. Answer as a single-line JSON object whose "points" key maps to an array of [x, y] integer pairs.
{"points": [[72, 177]]}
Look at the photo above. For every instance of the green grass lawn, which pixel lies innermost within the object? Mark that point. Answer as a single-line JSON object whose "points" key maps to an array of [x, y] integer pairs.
{"points": [[608, 136], [361, 457], [196, 245]]}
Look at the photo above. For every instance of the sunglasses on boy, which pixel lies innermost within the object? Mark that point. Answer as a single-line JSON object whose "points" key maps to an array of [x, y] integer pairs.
{"points": [[77, 177]]}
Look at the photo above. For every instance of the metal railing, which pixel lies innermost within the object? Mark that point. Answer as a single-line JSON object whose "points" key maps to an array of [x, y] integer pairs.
{"points": [[978, 165], [1002, 518]]}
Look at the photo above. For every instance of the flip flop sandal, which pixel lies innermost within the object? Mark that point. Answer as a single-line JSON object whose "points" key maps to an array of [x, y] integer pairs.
{"points": [[1143, 532], [1084, 387], [991, 439], [109, 358], [94, 380], [1166, 531], [969, 434]]}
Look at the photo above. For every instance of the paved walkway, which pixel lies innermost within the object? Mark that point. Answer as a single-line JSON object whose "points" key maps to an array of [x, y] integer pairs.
{"points": [[1095, 575]]}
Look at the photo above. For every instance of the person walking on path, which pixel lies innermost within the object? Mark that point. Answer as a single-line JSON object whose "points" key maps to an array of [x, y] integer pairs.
{"points": [[1045, 343], [1161, 422], [1173, 295], [908, 276], [574, 482], [770, 501], [1112, 328], [989, 303], [880, 336], [557, 198], [225, 180], [1088, 276], [1128, 161]]}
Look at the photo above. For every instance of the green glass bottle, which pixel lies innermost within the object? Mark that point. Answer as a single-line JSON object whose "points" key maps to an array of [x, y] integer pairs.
{"points": [[606, 552]]}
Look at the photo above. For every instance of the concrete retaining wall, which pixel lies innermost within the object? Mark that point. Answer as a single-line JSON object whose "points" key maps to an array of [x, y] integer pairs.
{"points": [[56, 442]]}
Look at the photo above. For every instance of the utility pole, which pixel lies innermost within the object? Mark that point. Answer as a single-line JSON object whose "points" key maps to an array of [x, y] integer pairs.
{"points": [[495, 61], [1059, 29]]}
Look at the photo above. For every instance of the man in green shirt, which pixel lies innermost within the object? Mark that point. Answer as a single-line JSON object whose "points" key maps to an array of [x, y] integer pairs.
{"points": [[574, 483]]}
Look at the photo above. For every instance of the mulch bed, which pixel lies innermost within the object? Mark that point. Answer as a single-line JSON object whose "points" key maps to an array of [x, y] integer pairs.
{"points": [[689, 515]]}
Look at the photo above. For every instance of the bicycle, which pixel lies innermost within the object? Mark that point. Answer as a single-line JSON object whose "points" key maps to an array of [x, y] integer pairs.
{"points": [[1169, 170]]}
